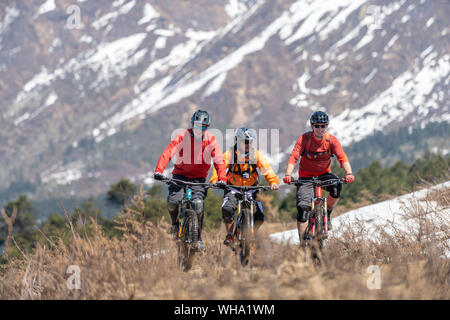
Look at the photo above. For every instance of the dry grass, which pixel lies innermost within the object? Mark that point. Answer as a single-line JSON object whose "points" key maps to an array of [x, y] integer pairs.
{"points": [[115, 269]]}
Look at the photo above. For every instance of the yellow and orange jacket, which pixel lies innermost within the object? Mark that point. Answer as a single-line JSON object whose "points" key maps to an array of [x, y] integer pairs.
{"points": [[235, 179]]}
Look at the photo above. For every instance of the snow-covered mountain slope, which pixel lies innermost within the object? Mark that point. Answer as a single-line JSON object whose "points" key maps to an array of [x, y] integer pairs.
{"points": [[98, 97], [406, 214]]}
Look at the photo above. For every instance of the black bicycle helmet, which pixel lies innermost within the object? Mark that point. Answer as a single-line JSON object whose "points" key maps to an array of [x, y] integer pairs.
{"points": [[319, 117], [202, 117]]}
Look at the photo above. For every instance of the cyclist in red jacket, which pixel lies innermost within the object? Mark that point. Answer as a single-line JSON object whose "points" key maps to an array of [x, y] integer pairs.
{"points": [[195, 147], [315, 149]]}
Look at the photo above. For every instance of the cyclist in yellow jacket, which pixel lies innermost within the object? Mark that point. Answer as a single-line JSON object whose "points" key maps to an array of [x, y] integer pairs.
{"points": [[242, 162]]}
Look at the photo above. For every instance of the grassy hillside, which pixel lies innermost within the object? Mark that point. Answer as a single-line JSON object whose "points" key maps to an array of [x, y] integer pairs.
{"points": [[141, 264]]}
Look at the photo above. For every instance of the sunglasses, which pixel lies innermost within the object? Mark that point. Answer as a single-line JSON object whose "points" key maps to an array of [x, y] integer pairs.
{"points": [[202, 127], [320, 126]]}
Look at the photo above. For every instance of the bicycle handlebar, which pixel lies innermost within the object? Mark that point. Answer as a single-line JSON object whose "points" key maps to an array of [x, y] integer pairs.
{"points": [[215, 186], [319, 183], [248, 188], [188, 183]]}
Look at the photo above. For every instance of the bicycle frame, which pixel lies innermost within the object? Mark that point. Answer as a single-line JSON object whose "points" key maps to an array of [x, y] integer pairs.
{"points": [[185, 203], [318, 201], [246, 201], [188, 220], [244, 228]]}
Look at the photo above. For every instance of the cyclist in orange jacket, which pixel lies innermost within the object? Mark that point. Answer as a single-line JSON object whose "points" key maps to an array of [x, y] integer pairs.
{"points": [[315, 149], [242, 162], [195, 148]]}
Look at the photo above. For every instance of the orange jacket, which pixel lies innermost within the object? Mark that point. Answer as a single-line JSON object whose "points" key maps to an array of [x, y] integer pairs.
{"points": [[313, 164], [261, 163], [193, 160]]}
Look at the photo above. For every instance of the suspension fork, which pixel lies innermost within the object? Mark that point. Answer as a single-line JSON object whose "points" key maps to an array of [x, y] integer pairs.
{"points": [[315, 200], [325, 216], [181, 218], [238, 225], [252, 219]]}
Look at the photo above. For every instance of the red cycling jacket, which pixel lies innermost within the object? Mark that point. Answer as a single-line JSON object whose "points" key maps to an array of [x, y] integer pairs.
{"points": [[316, 155], [193, 157]]}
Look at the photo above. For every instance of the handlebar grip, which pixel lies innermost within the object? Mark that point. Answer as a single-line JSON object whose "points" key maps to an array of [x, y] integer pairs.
{"points": [[222, 186]]}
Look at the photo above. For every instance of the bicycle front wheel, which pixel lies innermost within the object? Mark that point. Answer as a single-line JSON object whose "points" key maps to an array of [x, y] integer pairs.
{"points": [[246, 237], [188, 240]]}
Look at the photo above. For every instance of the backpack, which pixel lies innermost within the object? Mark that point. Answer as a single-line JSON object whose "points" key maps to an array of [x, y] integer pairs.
{"points": [[251, 168], [314, 155]]}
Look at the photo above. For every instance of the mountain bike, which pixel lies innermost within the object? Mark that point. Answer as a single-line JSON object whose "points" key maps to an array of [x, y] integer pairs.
{"points": [[316, 232], [243, 230], [189, 231]]}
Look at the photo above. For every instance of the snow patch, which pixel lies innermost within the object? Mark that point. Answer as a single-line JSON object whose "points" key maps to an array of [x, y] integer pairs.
{"points": [[107, 60], [86, 39], [370, 24], [199, 35], [426, 52], [55, 44], [164, 32], [367, 79], [160, 43], [149, 14], [178, 56], [118, 3], [10, 16], [215, 85], [236, 23], [405, 18], [47, 6], [235, 8], [391, 42], [41, 78], [22, 118], [340, 18], [323, 67], [51, 99], [311, 13], [64, 177], [115, 57], [128, 7], [112, 16], [104, 20], [388, 216]]}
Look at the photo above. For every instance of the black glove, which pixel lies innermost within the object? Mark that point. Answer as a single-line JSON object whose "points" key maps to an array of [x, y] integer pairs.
{"points": [[221, 184], [158, 176]]}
